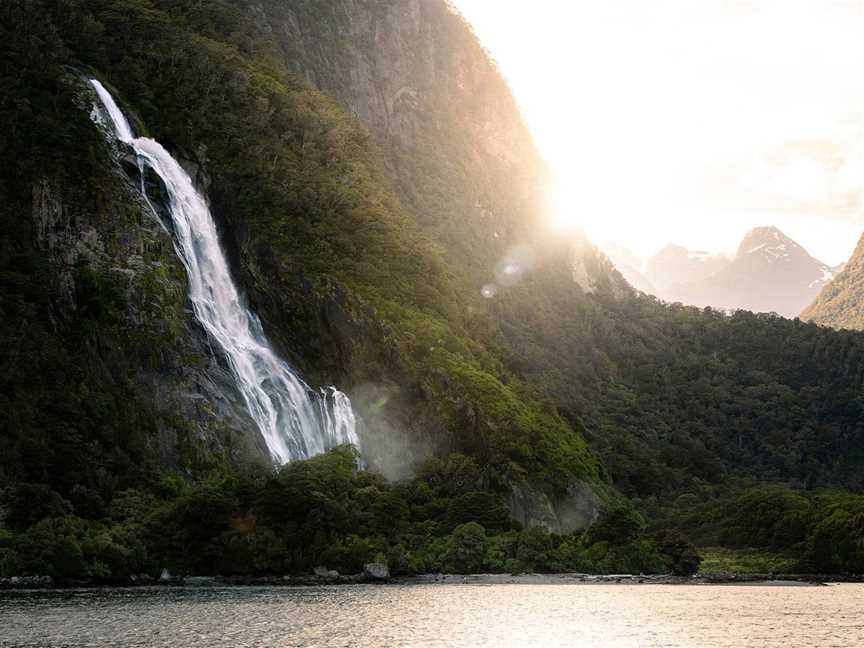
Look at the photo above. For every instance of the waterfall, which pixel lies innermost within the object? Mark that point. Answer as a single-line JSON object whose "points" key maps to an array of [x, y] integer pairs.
{"points": [[295, 420]]}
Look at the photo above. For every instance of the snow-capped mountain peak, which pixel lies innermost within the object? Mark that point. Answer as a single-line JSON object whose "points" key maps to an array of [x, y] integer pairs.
{"points": [[769, 273], [771, 244]]}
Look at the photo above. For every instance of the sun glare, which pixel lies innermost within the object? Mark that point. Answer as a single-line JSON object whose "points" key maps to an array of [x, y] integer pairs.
{"points": [[656, 116], [563, 210]]}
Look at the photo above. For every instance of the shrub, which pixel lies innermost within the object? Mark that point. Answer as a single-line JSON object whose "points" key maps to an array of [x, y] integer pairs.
{"points": [[533, 549], [618, 525]]}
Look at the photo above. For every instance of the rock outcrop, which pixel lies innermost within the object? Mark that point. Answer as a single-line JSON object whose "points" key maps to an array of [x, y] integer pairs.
{"points": [[573, 512]]}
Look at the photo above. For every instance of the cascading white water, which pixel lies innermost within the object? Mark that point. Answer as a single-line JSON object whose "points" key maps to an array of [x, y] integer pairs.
{"points": [[296, 421]]}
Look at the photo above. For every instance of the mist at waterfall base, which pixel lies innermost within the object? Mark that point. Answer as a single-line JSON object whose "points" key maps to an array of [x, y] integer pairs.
{"points": [[296, 421], [392, 442]]}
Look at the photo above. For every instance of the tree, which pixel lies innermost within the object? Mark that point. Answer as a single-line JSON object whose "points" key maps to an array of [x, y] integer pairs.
{"points": [[683, 558], [534, 547], [618, 525], [466, 547]]}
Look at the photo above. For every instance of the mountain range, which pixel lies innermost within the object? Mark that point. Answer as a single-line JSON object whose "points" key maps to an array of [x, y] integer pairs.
{"points": [[769, 273], [674, 265]]}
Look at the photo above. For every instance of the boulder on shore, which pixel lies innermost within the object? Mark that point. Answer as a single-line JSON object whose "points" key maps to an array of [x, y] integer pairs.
{"points": [[376, 570]]}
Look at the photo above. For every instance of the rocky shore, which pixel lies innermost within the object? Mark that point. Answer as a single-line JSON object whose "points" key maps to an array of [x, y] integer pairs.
{"points": [[631, 579], [378, 574], [372, 573]]}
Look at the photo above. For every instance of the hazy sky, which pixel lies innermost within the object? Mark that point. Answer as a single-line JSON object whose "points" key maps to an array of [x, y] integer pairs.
{"points": [[691, 121]]}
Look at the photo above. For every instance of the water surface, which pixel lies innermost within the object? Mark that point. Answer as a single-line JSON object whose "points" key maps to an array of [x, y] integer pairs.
{"points": [[439, 616]]}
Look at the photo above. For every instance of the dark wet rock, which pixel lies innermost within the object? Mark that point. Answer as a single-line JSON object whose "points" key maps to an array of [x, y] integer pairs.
{"points": [[331, 578], [624, 579]]}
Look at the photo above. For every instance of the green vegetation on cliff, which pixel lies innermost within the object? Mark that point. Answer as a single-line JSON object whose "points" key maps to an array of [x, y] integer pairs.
{"points": [[69, 415], [298, 187]]}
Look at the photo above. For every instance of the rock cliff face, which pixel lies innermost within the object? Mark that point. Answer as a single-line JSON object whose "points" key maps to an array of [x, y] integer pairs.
{"points": [[448, 128], [114, 274], [630, 266], [198, 408], [576, 510]]}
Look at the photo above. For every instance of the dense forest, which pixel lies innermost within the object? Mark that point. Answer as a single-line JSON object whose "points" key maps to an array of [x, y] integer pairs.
{"points": [[362, 233], [320, 512]]}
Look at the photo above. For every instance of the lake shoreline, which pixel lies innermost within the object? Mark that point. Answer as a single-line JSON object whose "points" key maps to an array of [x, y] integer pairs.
{"points": [[792, 580]]}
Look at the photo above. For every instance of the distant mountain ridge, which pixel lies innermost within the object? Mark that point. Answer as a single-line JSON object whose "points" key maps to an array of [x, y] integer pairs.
{"points": [[630, 267], [770, 272], [671, 265]]}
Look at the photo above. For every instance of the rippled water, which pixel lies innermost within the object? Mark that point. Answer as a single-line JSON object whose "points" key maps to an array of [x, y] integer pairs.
{"points": [[439, 615]]}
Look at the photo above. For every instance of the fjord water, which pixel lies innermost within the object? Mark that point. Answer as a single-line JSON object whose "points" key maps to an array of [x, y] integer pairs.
{"points": [[439, 616], [296, 421]]}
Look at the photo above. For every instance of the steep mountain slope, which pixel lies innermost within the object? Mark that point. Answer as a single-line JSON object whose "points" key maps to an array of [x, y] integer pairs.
{"points": [[770, 273], [453, 141], [674, 265], [840, 304], [348, 289]]}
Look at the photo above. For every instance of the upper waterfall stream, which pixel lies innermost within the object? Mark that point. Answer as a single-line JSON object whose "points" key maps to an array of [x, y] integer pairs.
{"points": [[295, 420]]}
